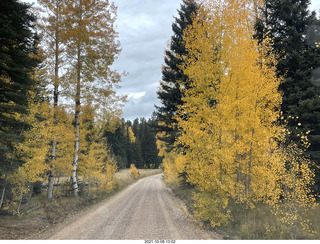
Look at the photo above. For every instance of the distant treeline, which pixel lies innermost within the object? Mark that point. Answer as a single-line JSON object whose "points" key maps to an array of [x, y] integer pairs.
{"points": [[135, 143]]}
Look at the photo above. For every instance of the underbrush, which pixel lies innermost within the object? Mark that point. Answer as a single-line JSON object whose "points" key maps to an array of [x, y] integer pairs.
{"points": [[37, 214], [254, 224]]}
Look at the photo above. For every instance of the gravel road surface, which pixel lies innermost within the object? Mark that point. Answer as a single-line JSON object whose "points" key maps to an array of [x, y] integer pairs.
{"points": [[146, 210]]}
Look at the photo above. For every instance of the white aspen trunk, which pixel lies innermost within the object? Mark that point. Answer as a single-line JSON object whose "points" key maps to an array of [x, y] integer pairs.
{"points": [[50, 186], [77, 128], [76, 154], [21, 197], [3, 191], [54, 142], [5, 182], [75, 165]]}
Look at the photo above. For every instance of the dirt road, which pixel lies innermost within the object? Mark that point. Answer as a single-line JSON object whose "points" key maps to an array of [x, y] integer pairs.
{"points": [[146, 210]]}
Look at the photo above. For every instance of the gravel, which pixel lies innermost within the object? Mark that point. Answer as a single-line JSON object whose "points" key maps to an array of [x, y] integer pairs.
{"points": [[146, 210]]}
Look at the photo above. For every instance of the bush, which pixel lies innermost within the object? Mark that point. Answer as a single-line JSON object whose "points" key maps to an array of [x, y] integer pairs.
{"points": [[134, 172]]}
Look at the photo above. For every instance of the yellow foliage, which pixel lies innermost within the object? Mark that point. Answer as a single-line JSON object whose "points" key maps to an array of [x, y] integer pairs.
{"points": [[96, 164], [134, 172], [64, 137], [232, 105], [33, 151], [211, 208], [130, 133], [294, 183], [170, 171], [229, 128]]}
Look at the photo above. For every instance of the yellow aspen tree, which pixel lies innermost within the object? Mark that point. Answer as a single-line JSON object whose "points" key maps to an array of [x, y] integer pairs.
{"points": [[52, 26], [170, 171], [294, 186], [62, 134], [96, 165], [231, 110], [92, 48], [33, 151], [131, 135], [134, 172], [97, 168]]}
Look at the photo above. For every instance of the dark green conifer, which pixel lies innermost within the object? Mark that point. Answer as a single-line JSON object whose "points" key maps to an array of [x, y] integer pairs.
{"points": [[295, 31], [17, 44], [169, 92]]}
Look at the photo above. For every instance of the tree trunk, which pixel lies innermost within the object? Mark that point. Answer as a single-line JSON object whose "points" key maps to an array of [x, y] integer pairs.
{"points": [[3, 191], [76, 146], [20, 201], [55, 105], [50, 186], [77, 128]]}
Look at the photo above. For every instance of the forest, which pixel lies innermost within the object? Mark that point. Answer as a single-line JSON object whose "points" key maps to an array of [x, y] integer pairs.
{"points": [[238, 127]]}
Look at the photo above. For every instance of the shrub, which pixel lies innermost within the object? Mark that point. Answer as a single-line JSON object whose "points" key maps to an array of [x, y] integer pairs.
{"points": [[134, 172]]}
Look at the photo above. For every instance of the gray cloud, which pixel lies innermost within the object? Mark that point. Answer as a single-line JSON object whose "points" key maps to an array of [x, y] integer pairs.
{"points": [[144, 28]]}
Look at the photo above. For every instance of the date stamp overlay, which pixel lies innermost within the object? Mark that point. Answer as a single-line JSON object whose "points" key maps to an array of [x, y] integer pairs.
{"points": [[159, 241]]}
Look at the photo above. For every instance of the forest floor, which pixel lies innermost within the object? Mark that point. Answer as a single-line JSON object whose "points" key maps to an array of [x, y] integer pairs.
{"points": [[50, 214]]}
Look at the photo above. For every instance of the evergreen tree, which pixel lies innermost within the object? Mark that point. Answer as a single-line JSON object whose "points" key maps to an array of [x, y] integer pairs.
{"points": [[137, 147], [148, 144], [291, 27], [17, 43], [135, 143], [169, 92], [117, 141]]}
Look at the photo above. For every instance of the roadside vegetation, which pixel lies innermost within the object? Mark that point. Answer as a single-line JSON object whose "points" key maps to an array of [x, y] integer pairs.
{"points": [[258, 223]]}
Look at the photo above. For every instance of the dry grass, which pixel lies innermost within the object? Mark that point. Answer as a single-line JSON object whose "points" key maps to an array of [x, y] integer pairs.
{"points": [[254, 224], [47, 214], [124, 178]]}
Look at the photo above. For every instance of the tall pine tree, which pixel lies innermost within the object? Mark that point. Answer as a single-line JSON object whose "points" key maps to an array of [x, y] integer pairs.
{"points": [[172, 75], [291, 27], [17, 44]]}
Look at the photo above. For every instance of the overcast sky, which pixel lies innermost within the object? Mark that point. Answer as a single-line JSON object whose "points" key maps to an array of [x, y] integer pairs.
{"points": [[144, 28]]}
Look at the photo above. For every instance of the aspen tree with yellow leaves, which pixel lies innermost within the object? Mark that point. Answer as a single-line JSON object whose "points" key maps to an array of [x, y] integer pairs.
{"points": [[294, 186], [52, 26], [232, 106], [96, 165], [230, 130], [91, 47], [33, 151], [134, 172]]}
